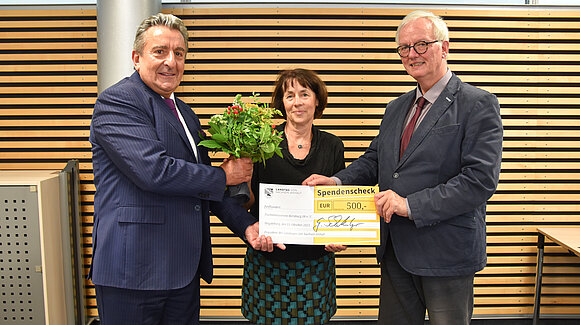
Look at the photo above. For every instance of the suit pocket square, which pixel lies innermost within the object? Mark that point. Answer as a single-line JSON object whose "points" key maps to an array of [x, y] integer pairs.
{"points": [[147, 214]]}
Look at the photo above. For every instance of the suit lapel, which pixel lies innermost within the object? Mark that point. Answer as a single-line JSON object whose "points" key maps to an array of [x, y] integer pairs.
{"points": [[445, 99], [194, 126], [175, 122], [190, 118]]}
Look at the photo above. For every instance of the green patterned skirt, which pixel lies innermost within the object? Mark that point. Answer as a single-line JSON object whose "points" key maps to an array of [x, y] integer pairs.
{"points": [[302, 292]]}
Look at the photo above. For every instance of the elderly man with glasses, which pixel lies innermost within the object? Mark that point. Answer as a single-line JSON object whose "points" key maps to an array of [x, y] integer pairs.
{"points": [[437, 161]]}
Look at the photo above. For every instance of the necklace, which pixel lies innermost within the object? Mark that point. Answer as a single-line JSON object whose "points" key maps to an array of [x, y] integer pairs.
{"points": [[299, 146], [302, 146]]}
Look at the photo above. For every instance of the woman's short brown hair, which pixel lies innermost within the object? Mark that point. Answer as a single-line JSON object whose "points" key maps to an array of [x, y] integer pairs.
{"points": [[306, 78]]}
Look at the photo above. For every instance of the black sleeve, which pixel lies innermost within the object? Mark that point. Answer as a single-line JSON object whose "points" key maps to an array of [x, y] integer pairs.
{"points": [[339, 163]]}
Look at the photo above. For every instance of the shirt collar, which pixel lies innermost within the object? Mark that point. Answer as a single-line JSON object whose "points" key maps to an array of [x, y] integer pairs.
{"points": [[172, 97], [432, 94]]}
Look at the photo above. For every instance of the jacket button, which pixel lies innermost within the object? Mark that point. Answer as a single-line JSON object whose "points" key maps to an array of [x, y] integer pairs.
{"points": [[197, 207], [396, 175]]}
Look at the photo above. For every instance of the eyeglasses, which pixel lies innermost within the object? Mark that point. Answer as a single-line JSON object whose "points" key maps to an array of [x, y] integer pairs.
{"points": [[419, 47]]}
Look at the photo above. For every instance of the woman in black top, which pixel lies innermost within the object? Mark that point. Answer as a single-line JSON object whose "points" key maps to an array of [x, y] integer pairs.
{"points": [[296, 285]]}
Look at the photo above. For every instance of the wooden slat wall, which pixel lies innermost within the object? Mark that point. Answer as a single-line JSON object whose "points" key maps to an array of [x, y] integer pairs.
{"points": [[528, 58]]}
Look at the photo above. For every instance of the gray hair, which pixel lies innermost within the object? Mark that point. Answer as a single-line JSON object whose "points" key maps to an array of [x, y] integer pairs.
{"points": [[439, 26], [159, 19]]}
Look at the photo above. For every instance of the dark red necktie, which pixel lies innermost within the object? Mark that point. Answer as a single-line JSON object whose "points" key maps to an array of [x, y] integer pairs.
{"points": [[411, 126], [171, 105]]}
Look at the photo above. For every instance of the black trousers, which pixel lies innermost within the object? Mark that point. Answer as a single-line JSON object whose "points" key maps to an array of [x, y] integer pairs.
{"points": [[149, 307], [405, 297]]}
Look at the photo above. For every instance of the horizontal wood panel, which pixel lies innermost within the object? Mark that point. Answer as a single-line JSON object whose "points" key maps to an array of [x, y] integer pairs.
{"points": [[49, 57], [90, 69], [48, 46], [46, 23], [47, 35], [355, 78], [528, 58], [391, 54], [87, 112], [373, 68], [39, 14], [473, 13], [364, 89]]}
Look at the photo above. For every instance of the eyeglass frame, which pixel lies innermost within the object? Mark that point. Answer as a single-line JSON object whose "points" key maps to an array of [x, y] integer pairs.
{"points": [[402, 47]]}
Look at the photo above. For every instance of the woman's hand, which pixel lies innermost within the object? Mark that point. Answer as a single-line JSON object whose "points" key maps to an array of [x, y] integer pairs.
{"points": [[334, 248]]}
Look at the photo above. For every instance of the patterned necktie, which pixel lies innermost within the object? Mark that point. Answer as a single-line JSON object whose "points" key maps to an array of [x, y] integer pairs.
{"points": [[171, 105], [411, 126]]}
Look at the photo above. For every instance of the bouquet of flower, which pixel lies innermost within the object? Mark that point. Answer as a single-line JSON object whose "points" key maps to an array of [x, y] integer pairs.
{"points": [[245, 130]]}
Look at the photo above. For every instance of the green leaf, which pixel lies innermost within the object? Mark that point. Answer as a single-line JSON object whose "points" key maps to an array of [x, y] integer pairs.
{"points": [[268, 147], [219, 138], [210, 144], [213, 127], [279, 152], [251, 143], [264, 132]]}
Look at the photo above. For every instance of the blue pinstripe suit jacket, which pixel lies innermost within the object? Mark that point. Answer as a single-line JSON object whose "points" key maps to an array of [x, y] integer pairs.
{"points": [[152, 200]]}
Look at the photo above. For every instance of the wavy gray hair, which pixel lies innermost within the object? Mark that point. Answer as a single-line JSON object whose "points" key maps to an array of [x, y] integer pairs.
{"points": [[159, 19]]}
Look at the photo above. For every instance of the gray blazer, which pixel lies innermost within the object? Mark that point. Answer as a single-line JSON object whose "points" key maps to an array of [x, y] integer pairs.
{"points": [[447, 173]]}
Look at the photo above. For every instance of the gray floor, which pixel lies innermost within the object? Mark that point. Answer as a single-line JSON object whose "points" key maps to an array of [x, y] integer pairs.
{"points": [[473, 322]]}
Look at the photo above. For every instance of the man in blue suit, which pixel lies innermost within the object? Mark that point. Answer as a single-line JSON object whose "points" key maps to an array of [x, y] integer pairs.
{"points": [[437, 161], [155, 188]]}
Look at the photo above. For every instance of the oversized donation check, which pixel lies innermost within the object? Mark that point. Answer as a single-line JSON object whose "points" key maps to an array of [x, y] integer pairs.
{"points": [[319, 215]]}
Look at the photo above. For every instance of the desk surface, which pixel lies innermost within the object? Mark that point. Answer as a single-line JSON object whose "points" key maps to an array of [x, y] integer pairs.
{"points": [[568, 237]]}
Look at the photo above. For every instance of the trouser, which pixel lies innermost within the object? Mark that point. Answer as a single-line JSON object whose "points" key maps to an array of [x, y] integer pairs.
{"points": [[404, 297], [149, 307]]}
